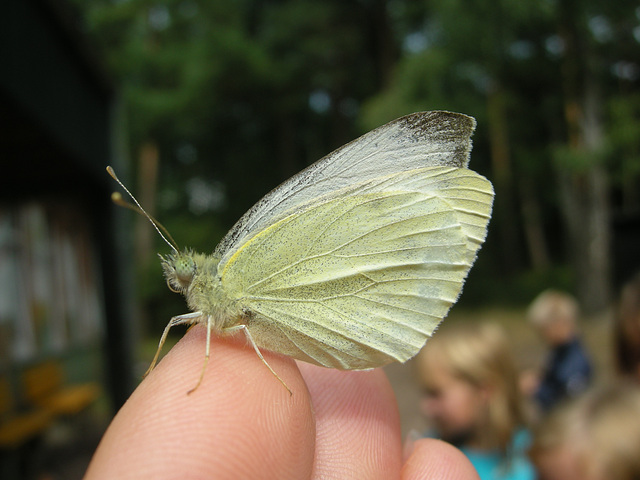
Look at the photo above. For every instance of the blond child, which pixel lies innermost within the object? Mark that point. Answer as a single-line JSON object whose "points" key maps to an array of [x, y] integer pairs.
{"points": [[567, 371], [595, 437], [472, 399]]}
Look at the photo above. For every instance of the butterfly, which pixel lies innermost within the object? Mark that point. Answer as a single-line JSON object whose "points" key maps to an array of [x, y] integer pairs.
{"points": [[353, 262]]}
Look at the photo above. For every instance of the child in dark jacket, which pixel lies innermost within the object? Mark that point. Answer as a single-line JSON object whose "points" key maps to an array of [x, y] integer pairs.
{"points": [[568, 371]]}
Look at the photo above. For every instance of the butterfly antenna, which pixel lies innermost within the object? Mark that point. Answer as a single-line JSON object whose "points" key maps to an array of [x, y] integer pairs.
{"points": [[155, 224], [121, 202]]}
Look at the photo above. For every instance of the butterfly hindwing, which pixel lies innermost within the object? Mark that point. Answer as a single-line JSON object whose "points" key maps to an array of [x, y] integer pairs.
{"points": [[364, 277]]}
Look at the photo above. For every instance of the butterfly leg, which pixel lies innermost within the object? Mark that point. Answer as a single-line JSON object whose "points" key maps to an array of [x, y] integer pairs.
{"points": [[206, 354], [179, 320], [247, 334]]}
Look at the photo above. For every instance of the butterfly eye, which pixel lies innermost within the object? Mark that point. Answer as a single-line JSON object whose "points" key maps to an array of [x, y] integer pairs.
{"points": [[185, 269], [179, 270]]}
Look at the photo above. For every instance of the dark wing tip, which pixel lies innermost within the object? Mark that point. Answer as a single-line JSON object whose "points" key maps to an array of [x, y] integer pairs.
{"points": [[452, 130], [440, 120]]}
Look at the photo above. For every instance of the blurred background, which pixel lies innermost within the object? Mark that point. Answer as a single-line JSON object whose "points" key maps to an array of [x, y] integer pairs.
{"points": [[203, 106]]}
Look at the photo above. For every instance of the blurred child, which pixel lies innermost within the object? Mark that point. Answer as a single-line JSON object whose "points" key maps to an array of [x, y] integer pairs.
{"points": [[568, 370], [596, 437], [472, 399], [627, 331]]}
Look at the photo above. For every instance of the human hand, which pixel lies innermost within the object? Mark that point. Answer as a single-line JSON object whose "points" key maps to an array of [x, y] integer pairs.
{"points": [[242, 423]]}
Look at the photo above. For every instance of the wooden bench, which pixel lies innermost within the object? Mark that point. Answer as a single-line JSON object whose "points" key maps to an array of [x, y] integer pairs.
{"points": [[18, 427], [44, 386]]}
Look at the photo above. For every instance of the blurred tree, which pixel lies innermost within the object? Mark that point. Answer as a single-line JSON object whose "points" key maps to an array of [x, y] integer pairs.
{"points": [[234, 97], [583, 183]]}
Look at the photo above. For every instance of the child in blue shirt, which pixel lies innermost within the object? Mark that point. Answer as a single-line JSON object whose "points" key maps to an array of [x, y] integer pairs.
{"points": [[472, 399]]}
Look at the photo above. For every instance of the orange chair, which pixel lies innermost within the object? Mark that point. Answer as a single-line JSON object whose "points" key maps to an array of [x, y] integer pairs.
{"points": [[18, 427], [44, 387]]}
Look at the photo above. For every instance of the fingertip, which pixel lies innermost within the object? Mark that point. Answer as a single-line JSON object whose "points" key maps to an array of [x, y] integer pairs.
{"points": [[240, 407], [435, 459], [357, 422]]}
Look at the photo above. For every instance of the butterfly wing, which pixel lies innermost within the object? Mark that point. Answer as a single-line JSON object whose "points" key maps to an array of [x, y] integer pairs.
{"points": [[407, 143], [363, 276]]}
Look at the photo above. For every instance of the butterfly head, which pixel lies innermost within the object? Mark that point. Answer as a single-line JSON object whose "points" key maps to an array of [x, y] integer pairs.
{"points": [[179, 270]]}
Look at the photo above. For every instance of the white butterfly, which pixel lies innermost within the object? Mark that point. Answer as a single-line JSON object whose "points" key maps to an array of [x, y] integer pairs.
{"points": [[353, 262]]}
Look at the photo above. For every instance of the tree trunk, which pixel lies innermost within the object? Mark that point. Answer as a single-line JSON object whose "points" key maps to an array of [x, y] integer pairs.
{"points": [[147, 189], [584, 188], [504, 208], [532, 225]]}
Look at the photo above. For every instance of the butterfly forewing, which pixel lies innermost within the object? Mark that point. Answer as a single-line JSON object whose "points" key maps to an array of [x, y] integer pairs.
{"points": [[424, 139]]}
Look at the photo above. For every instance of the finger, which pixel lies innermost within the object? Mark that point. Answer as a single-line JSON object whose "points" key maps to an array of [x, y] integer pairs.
{"points": [[357, 423], [240, 423], [436, 460]]}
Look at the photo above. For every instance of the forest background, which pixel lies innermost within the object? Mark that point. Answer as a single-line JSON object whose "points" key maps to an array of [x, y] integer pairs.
{"points": [[220, 101]]}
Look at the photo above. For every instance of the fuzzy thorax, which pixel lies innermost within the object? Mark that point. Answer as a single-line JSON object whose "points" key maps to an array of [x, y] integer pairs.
{"points": [[195, 276]]}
